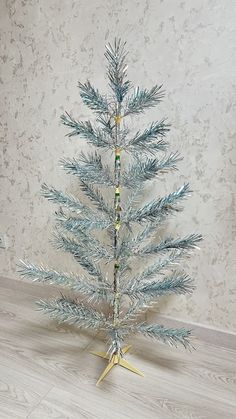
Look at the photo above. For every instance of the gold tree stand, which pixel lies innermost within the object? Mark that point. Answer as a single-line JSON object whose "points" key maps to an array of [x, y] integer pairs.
{"points": [[115, 360]]}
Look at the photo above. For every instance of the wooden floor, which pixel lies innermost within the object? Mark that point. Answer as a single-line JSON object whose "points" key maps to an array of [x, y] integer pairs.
{"points": [[46, 371]]}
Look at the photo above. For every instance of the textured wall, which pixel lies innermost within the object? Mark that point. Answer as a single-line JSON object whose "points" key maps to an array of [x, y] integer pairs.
{"points": [[46, 46]]}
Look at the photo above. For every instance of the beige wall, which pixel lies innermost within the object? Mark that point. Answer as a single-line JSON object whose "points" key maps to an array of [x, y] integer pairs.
{"points": [[46, 46]]}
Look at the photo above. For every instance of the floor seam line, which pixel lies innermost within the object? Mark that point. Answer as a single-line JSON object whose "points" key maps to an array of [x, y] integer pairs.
{"points": [[40, 401]]}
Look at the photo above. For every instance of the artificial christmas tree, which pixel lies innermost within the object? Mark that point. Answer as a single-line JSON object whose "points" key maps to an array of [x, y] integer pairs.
{"points": [[128, 225]]}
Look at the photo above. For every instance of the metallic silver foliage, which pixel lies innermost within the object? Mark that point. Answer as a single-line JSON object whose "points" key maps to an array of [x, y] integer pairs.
{"points": [[93, 135], [156, 268], [92, 222], [131, 243], [151, 140], [92, 98], [69, 310], [88, 242], [143, 170], [89, 168], [61, 198], [143, 99], [92, 290], [78, 224], [117, 69], [80, 253], [170, 336], [96, 196], [160, 207], [187, 243], [177, 283]]}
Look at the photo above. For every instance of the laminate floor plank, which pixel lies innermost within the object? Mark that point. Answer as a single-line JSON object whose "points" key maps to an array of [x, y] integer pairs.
{"points": [[19, 393], [46, 371]]}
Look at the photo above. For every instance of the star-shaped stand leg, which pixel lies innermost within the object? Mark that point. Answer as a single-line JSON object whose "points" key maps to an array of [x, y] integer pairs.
{"points": [[116, 360]]}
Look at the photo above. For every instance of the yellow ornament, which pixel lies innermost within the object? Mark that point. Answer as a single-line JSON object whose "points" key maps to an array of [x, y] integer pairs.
{"points": [[117, 119], [117, 151], [117, 225]]}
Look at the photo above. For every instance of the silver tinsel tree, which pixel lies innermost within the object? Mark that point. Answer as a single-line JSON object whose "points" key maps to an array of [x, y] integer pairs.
{"points": [[128, 225]]}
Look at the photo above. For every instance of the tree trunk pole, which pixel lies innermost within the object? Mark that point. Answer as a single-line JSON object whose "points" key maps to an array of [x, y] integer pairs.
{"points": [[117, 210]]}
